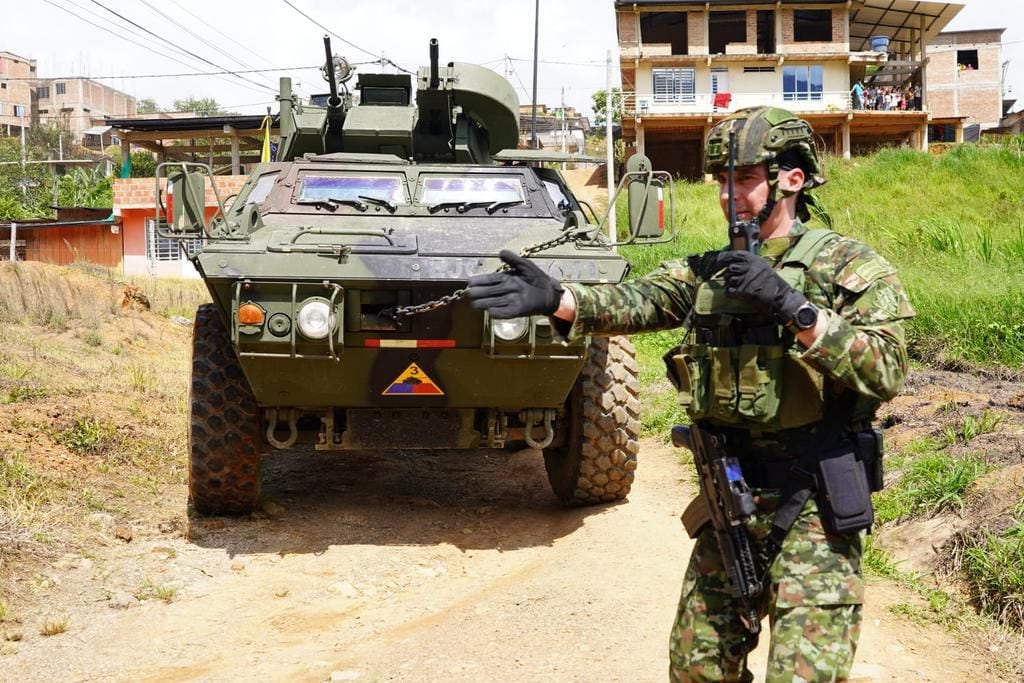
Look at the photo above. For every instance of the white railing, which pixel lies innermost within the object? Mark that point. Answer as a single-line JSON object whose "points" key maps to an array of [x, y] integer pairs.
{"points": [[634, 104]]}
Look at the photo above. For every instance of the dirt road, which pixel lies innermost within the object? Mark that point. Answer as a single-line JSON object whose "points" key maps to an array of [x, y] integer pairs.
{"points": [[405, 567]]}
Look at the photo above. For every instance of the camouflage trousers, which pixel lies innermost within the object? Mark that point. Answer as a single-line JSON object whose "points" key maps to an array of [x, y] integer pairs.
{"points": [[813, 601]]}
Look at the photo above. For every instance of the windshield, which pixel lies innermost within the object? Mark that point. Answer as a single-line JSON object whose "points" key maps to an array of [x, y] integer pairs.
{"points": [[471, 189], [390, 188], [262, 189]]}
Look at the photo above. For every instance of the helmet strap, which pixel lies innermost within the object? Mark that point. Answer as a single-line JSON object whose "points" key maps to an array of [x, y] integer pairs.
{"points": [[773, 186]]}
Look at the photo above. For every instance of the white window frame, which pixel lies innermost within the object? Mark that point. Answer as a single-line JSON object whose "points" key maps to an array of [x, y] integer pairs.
{"points": [[166, 248], [674, 84], [810, 95]]}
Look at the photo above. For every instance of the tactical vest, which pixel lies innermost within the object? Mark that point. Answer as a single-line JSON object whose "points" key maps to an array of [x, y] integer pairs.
{"points": [[739, 368]]}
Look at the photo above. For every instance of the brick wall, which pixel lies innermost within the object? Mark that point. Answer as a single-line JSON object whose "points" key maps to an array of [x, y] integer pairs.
{"points": [[790, 46], [696, 33], [139, 193], [629, 28]]}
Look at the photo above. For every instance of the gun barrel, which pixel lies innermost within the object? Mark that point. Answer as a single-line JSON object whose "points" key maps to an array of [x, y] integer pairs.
{"points": [[434, 80], [732, 175], [334, 100]]}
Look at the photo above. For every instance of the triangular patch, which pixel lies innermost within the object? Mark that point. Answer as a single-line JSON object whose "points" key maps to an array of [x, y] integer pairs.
{"points": [[413, 381]]}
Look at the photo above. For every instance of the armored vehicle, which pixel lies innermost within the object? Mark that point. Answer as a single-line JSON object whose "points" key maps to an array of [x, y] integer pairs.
{"points": [[336, 273]]}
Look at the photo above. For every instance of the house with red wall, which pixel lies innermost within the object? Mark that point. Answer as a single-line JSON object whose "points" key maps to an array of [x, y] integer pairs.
{"points": [[145, 251]]}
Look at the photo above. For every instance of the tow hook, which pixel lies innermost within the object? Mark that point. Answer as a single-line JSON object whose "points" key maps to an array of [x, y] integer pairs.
{"points": [[293, 429], [534, 415]]}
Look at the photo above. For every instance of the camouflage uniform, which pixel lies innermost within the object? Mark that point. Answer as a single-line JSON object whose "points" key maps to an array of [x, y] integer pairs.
{"points": [[815, 591]]}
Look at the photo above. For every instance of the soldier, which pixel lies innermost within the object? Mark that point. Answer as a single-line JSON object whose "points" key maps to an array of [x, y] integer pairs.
{"points": [[789, 355]]}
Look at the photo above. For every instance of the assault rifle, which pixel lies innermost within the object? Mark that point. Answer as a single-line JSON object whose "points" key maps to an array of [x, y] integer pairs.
{"points": [[743, 235], [729, 504]]}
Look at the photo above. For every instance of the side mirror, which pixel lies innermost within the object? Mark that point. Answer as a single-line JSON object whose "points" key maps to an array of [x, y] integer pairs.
{"points": [[646, 195], [188, 190]]}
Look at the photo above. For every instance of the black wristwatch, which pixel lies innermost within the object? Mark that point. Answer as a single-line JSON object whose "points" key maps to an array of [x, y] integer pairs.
{"points": [[805, 318]]}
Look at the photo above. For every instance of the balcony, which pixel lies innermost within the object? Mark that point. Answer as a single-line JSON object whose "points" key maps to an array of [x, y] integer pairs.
{"points": [[705, 104]]}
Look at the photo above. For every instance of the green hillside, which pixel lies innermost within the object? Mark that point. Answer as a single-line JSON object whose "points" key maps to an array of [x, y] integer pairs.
{"points": [[953, 223]]}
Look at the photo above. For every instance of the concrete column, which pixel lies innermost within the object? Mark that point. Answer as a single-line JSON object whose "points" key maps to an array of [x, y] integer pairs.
{"points": [[845, 129], [640, 137], [958, 133], [922, 131], [924, 65]]}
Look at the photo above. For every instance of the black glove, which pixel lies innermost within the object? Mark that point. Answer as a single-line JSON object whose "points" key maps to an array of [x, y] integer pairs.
{"points": [[749, 277], [523, 290]]}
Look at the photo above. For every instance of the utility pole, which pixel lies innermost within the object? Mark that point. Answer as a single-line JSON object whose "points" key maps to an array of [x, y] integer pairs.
{"points": [[533, 113], [561, 115], [609, 147]]}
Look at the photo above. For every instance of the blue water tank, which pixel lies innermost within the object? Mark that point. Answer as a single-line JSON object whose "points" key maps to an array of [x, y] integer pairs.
{"points": [[879, 43]]}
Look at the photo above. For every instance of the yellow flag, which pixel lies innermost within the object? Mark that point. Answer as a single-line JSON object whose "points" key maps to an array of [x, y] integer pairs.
{"points": [[265, 127]]}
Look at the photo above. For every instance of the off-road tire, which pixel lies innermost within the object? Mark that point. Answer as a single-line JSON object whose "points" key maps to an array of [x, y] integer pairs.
{"points": [[224, 430], [598, 460]]}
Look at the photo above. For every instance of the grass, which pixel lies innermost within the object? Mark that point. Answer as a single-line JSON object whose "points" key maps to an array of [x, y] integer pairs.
{"points": [[52, 626], [88, 435], [149, 591], [965, 225], [929, 481], [970, 427]]}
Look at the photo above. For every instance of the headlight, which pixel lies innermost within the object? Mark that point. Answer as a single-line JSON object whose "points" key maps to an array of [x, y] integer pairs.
{"points": [[315, 320], [511, 329]]}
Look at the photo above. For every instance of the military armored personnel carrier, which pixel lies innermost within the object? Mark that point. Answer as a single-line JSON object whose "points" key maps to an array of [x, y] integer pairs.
{"points": [[335, 274]]}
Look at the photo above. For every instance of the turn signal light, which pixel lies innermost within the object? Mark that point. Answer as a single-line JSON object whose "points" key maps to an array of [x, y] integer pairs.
{"points": [[250, 314]]}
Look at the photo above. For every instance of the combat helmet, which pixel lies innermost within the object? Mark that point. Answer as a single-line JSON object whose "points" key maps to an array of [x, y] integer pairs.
{"points": [[763, 134]]}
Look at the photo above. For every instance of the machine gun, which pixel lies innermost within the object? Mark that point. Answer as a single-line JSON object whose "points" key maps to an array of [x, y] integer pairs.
{"points": [[743, 235], [729, 504]]}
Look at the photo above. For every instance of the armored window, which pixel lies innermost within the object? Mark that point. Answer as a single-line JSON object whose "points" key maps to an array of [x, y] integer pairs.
{"points": [[165, 248], [262, 189], [665, 27], [802, 83], [59, 88], [725, 28], [812, 25], [444, 189], [353, 187], [674, 85]]}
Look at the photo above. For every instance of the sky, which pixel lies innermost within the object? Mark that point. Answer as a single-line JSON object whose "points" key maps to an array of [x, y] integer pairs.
{"points": [[83, 38]]}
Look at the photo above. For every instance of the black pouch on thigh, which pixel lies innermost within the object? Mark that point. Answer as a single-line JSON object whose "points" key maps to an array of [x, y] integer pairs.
{"points": [[844, 496]]}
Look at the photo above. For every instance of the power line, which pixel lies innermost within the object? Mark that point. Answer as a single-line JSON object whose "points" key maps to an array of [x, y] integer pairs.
{"points": [[526, 92], [195, 35], [177, 75], [161, 38], [543, 61], [219, 32], [347, 42]]}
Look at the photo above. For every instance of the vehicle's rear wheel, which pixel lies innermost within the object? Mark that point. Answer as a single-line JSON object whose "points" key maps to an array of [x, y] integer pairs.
{"points": [[224, 431], [597, 461]]}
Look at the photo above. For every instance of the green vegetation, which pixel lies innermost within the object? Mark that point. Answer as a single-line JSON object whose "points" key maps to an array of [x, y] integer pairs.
{"points": [[87, 435], [953, 225], [994, 569], [928, 484]]}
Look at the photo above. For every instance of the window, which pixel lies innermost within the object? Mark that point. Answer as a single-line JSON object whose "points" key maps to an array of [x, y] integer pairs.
{"points": [[1, 108], [43, 92], [166, 248], [19, 110], [352, 188], [719, 80], [725, 28], [759, 69], [262, 189], [674, 85], [812, 25], [60, 88], [967, 60], [495, 189], [665, 27], [766, 32], [802, 83]]}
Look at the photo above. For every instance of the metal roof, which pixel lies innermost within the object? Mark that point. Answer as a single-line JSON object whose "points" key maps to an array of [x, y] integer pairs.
{"points": [[190, 123]]}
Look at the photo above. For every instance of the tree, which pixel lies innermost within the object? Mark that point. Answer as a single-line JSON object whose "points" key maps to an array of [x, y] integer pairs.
{"points": [[202, 106], [143, 163], [147, 105], [600, 98]]}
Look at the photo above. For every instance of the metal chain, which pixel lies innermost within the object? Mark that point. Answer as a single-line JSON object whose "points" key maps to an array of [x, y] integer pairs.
{"points": [[397, 312]]}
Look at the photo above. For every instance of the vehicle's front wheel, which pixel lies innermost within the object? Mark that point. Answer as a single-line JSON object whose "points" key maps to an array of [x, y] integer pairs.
{"points": [[597, 461], [224, 430]]}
